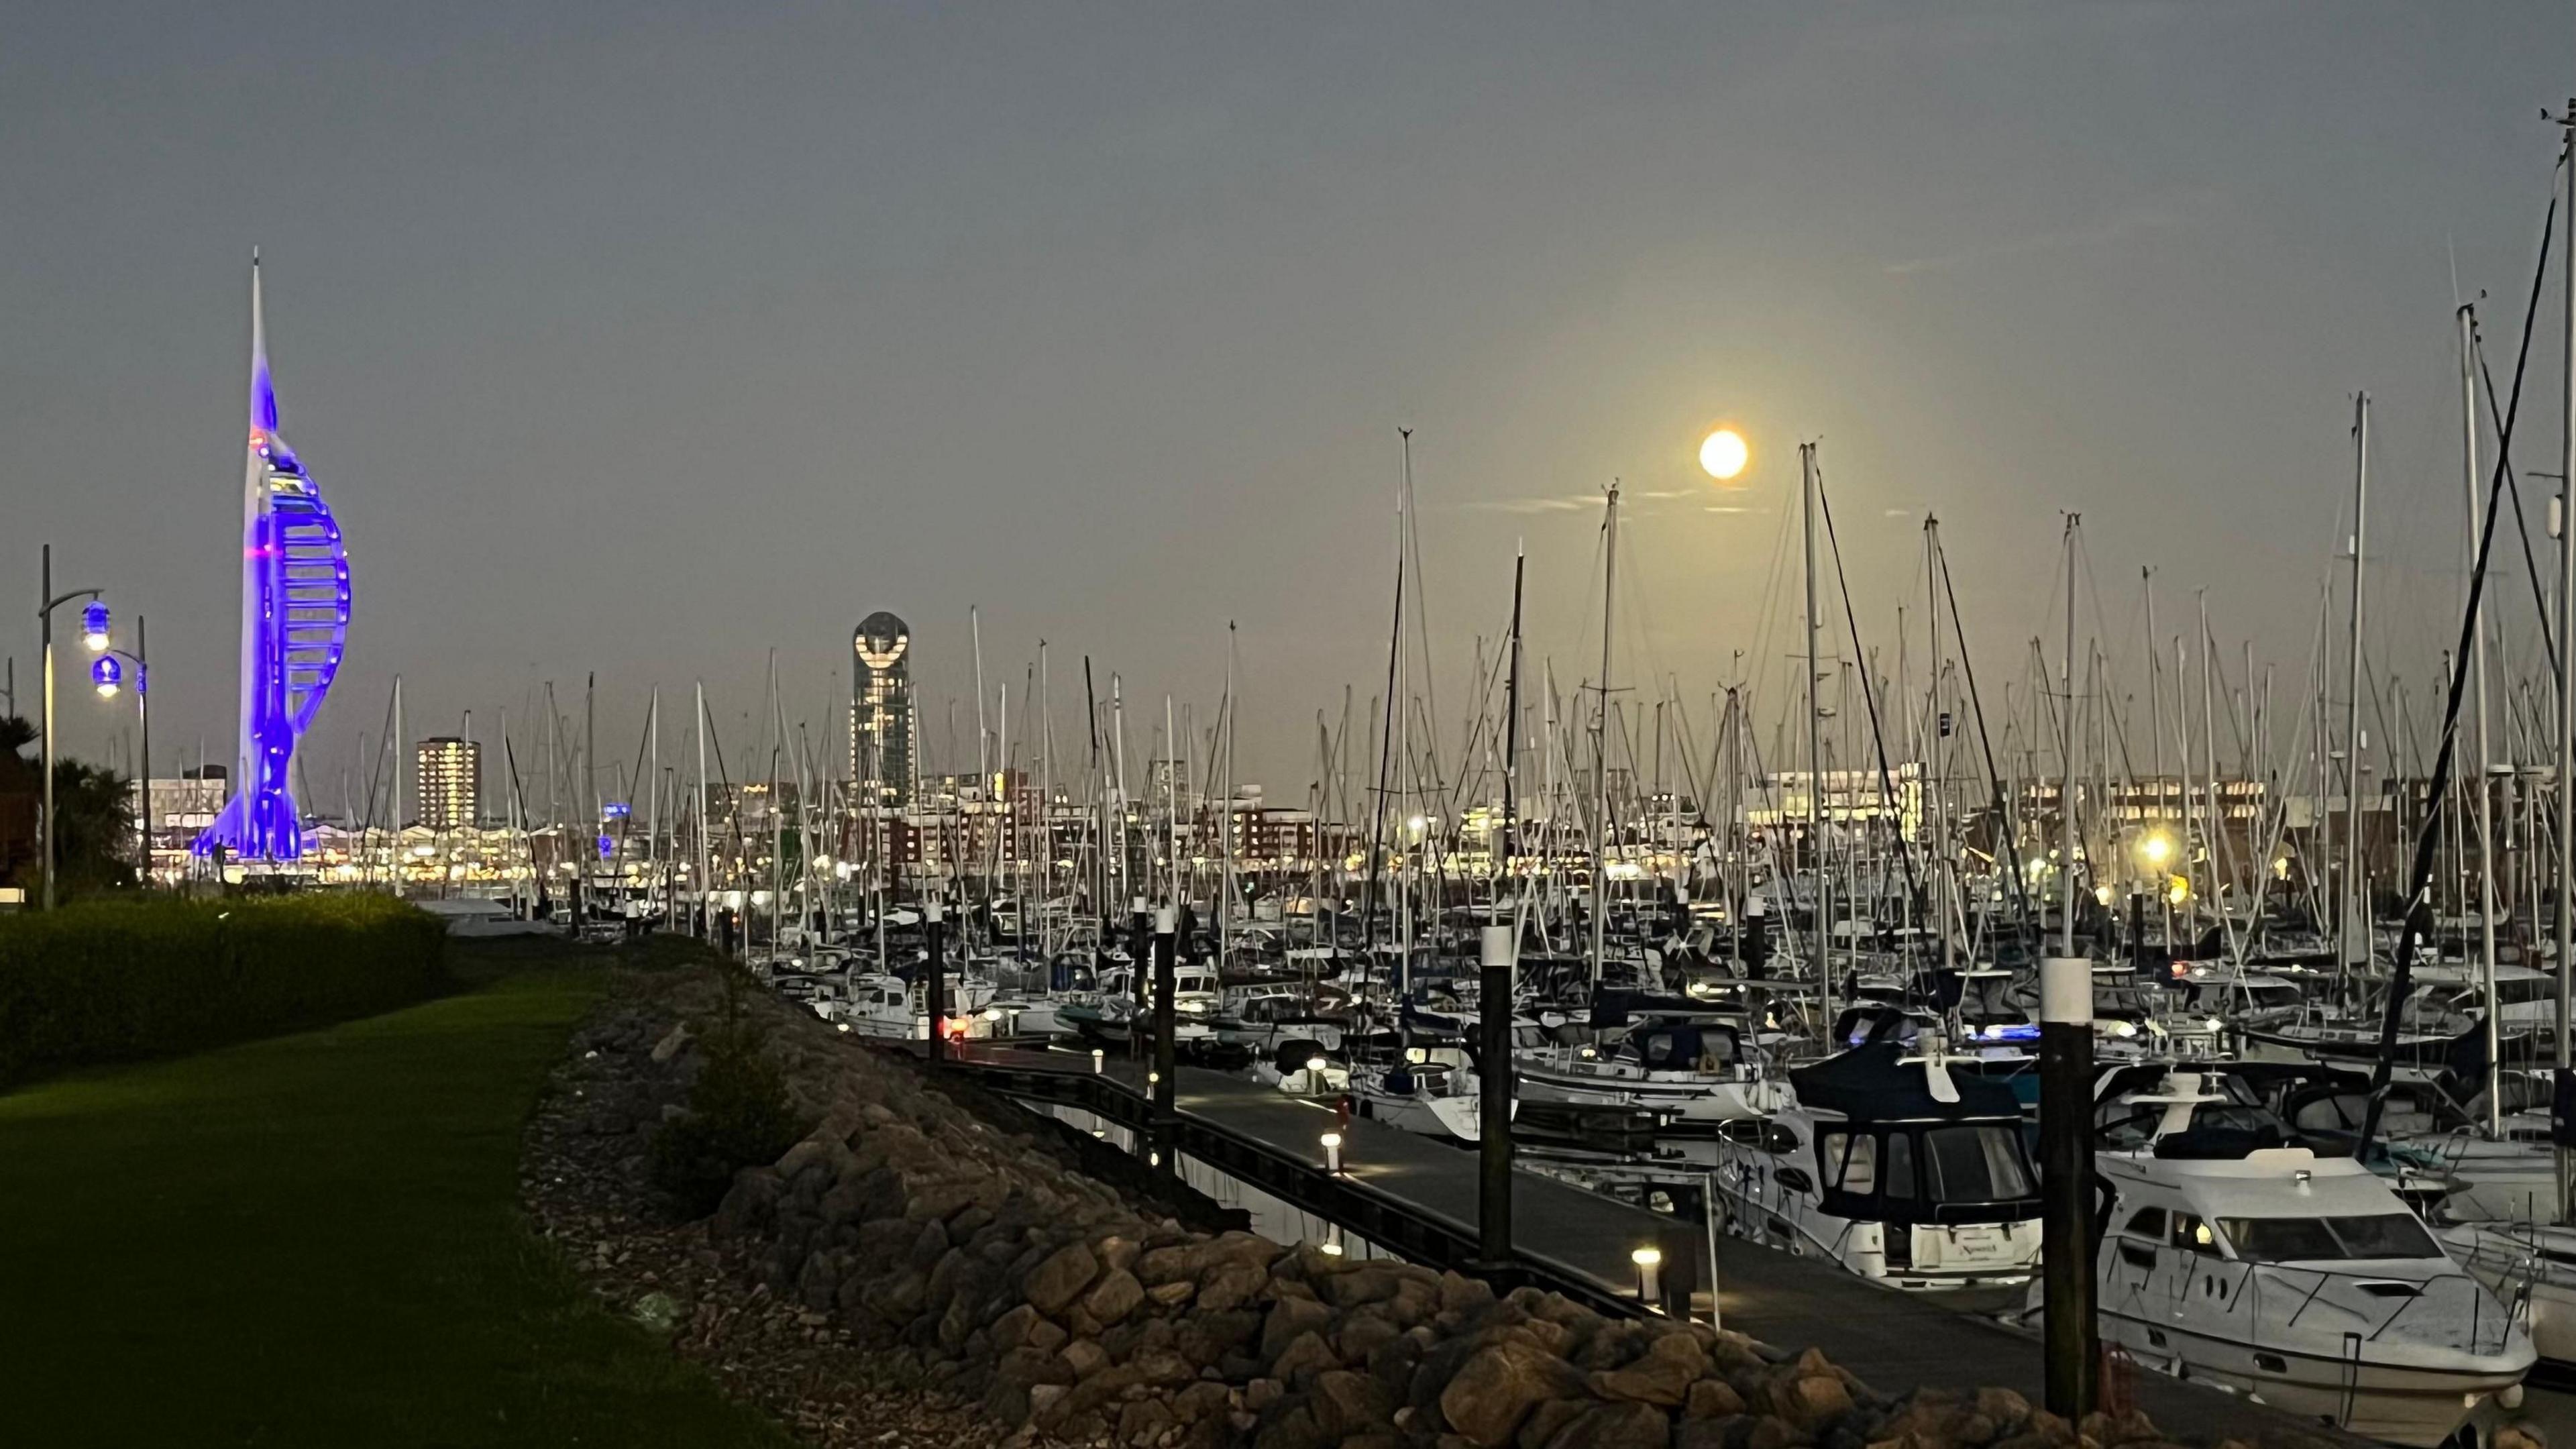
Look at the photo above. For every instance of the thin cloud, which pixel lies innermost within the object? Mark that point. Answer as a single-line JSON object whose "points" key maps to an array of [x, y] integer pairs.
{"points": [[1581, 502], [1530, 505], [2153, 217]]}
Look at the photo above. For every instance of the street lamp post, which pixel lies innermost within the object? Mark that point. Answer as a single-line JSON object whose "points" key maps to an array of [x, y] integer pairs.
{"points": [[105, 674], [96, 638]]}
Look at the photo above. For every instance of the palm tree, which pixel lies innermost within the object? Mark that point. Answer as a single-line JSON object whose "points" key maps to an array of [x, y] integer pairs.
{"points": [[93, 820]]}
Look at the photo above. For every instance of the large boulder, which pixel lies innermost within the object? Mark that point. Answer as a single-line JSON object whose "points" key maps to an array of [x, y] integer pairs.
{"points": [[1346, 1403], [1113, 1297], [1615, 1426], [1054, 1283], [750, 1206], [1304, 1358], [1661, 1376], [1289, 1318], [1499, 1385]]}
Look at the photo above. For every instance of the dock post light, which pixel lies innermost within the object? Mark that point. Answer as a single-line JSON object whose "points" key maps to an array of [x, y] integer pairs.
{"points": [[2073, 1342], [1495, 1090], [1333, 1153], [1650, 1274], [937, 1000], [1096, 1059], [1167, 950]]}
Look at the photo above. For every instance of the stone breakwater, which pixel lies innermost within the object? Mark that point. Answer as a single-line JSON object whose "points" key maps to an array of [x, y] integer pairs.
{"points": [[962, 1252]]}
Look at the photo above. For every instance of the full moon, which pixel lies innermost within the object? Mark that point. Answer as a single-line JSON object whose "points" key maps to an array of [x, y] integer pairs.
{"points": [[1724, 454]]}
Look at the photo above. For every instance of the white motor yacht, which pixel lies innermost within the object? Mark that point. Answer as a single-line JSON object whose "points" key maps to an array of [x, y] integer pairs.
{"points": [[2301, 1281], [2532, 1268], [1683, 1070], [1884, 1162], [890, 1007], [1433, 1091]]}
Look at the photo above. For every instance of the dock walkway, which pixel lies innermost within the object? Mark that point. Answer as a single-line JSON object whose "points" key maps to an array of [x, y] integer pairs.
{"points": [[1895, 1340]]}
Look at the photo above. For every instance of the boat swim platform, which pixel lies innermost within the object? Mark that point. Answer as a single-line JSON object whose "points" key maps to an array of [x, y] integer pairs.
{"points": [[1893, 1339]]}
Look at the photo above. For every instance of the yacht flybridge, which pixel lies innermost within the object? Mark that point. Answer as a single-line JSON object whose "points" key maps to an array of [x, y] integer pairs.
{"points": [[1886, 1163]]}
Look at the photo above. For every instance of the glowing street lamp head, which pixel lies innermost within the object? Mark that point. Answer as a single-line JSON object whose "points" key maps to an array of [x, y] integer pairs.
{"points": [[1723, 455], [107, 674], [2157, 848], [94, 625]]}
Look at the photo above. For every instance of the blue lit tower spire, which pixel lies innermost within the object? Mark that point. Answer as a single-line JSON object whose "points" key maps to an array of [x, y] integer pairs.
{"points": [[294, 623]]}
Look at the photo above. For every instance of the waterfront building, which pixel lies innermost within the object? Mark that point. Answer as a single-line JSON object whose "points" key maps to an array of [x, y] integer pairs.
{"points": [[882, 715], [447, 781]]}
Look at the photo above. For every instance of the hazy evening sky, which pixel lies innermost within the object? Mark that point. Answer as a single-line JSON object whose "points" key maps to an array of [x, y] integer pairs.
{"points": [[640, 338]]}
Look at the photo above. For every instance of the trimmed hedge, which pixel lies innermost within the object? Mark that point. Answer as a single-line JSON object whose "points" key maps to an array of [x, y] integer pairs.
{"points": [[113, 981]]}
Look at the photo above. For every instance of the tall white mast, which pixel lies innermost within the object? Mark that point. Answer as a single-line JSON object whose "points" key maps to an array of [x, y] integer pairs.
{"points": [[2566, 648], [652, 785], [1225, 905], [402, 762], [2353, 897], [983, 758], [2066, 759], [706, 849], [2478, 691], [1046, 815], [1601, 739], [1943, 856], [1815, 747]]}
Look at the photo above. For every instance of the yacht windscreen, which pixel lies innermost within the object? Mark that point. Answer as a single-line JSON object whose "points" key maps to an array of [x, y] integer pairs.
{"points": [[2308, 1240], [1976, 1164]]}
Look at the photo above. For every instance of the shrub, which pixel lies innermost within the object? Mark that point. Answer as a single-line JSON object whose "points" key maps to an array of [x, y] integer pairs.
{"points": [[738, 1117], [121, 980]]}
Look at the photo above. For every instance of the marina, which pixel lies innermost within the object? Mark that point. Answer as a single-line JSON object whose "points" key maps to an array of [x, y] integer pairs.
{"points": [[1264, 733]]}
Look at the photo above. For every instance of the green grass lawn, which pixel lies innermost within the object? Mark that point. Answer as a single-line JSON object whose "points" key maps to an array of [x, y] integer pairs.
{"points": [[313, 1241]]}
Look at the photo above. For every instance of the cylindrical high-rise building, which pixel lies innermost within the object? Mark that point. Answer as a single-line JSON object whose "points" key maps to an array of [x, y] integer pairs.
{"points": [[881, 711]]}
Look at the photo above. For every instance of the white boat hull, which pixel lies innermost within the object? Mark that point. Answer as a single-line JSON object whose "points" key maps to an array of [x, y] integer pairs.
{"points": [[1681, 1097], [2397, 1403]]}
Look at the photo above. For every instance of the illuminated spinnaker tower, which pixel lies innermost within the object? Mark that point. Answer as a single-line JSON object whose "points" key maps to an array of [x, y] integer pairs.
{"points": [[294, 624]]}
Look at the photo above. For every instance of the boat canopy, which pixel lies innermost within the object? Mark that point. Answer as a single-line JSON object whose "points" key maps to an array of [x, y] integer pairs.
{"points": [[1877, 1083]]}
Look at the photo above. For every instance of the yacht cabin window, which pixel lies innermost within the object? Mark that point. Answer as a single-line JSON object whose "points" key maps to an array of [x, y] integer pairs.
{"points": [[1900, 1165], [2192, 1235], [2303, 1240], [1771, 1137], [2147, 1222], [1982, 1163], [1850, 1161]]}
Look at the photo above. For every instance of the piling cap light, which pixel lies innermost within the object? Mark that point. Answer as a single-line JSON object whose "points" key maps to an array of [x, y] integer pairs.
{"points": [[1332, 1139], [94, 625], [107, 674], [1314, 1064], [1646, 1257]]}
